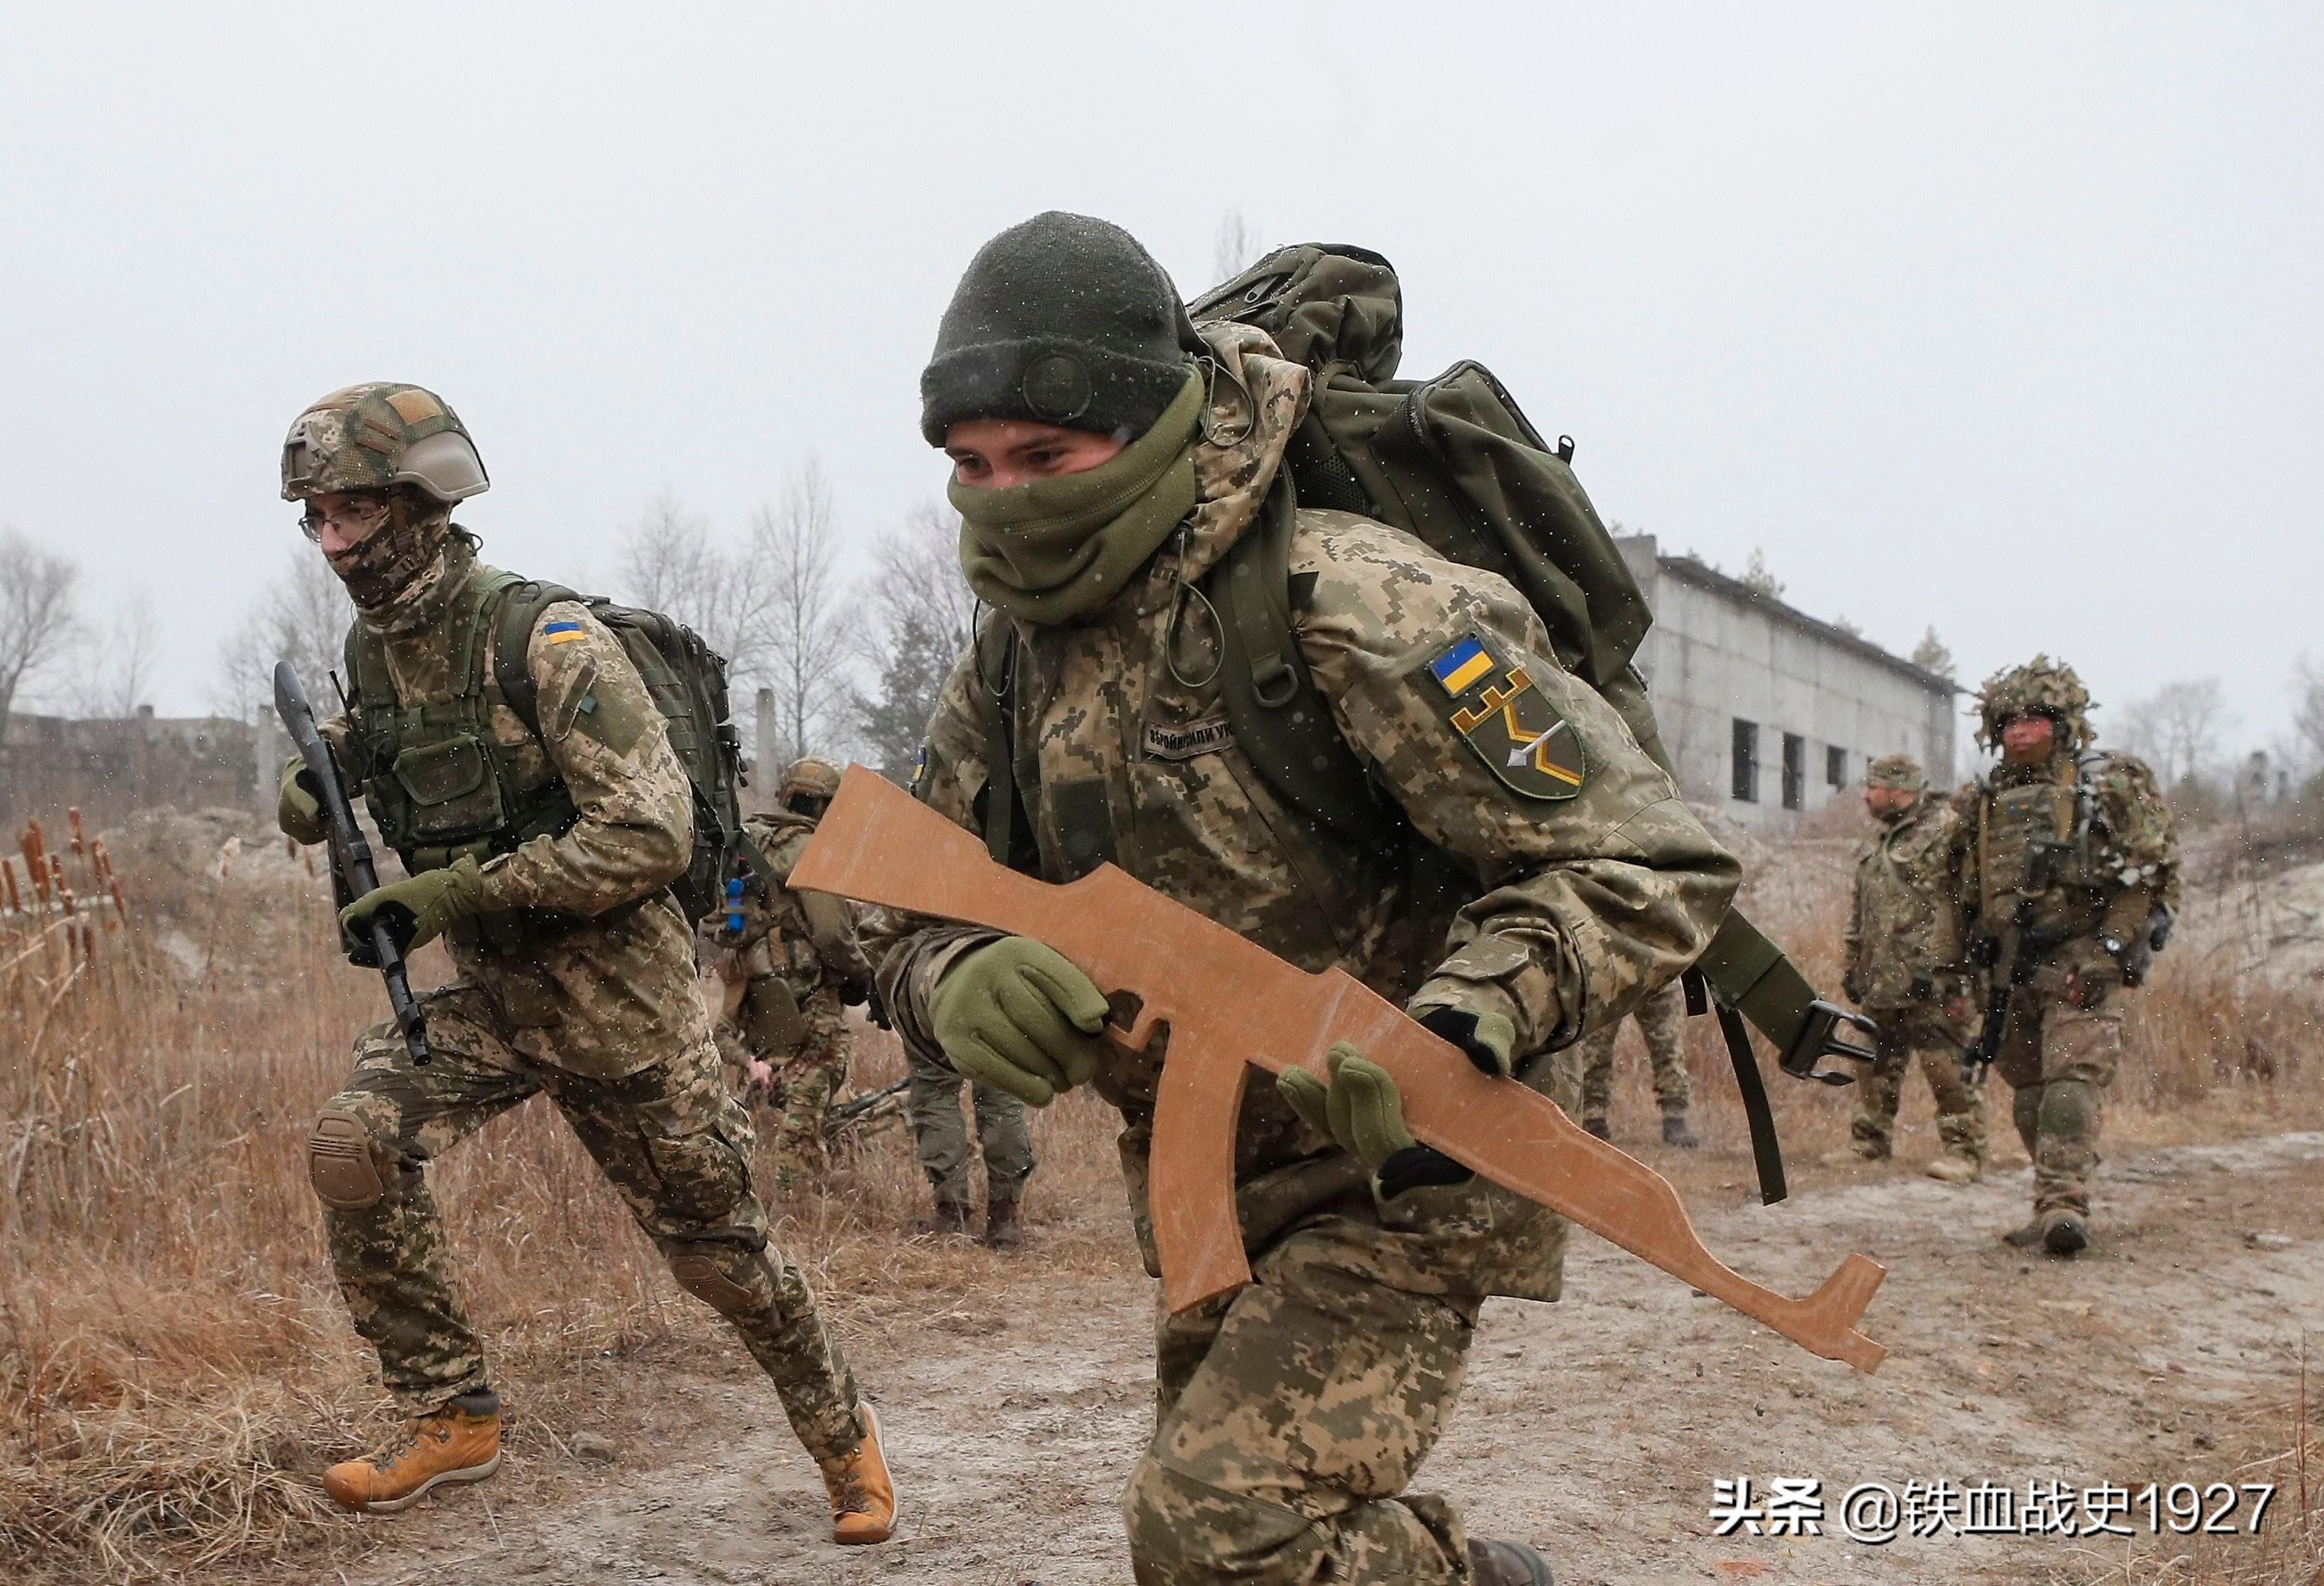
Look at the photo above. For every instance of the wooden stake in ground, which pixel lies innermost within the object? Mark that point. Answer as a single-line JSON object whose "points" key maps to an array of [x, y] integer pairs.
{"points": [[1231, 1006]]}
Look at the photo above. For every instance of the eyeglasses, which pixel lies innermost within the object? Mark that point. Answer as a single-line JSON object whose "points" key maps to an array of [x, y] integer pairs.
{"points": [[354, 521]]}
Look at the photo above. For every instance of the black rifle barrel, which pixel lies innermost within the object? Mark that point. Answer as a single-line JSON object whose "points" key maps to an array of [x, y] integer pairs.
{"points": [[350, 854]]}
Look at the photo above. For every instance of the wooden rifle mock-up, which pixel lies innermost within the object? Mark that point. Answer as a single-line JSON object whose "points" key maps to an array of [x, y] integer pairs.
{"points": [[1229, 1006]]}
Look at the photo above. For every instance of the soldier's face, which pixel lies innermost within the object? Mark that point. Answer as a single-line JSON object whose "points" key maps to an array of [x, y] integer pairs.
{"points": [[1886, 801], [2027, 740], [339, 523], [994, 454]]}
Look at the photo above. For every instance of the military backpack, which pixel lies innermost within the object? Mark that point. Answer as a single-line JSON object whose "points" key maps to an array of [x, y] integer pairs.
{"points": [[441, 786]]}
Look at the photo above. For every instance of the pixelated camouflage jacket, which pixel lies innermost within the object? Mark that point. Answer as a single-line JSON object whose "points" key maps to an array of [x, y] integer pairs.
{"points": [[1561, 911], [1903, 942], [810, 936], [614, 993], [2087, 839]]}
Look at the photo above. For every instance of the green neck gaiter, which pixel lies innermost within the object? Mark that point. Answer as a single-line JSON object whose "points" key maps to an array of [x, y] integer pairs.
{"points": [[1057, 548]]}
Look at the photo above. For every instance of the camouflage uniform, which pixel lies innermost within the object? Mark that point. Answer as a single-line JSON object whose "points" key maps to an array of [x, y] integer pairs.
{"points": [[1291, 1416], [777, 968], [1903, 964], [940, 1136], [1661, 1019], [602, 1017], [2077, 851]]}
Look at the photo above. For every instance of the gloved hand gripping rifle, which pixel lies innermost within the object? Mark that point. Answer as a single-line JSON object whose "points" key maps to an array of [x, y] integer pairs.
{"points": [[353, 873], [1229, 1006]]}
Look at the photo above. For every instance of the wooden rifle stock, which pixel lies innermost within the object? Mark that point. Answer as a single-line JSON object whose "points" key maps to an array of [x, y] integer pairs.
{"points": [[1230, 1005]]}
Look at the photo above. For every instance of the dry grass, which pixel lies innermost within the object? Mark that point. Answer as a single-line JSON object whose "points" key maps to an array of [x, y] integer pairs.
{"points": [[174, 1362]]}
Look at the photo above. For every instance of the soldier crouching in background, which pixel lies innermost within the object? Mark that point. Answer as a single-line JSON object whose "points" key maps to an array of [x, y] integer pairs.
{"points": [[541, 844], [1903, 967], [778, 967]]}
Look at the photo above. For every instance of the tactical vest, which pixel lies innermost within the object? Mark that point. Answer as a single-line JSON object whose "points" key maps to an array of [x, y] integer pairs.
{"points": [[439, 783], [2034, 845]]}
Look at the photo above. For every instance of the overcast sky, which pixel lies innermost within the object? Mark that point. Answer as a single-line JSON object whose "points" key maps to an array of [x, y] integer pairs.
{"points": [[2004, 318]]}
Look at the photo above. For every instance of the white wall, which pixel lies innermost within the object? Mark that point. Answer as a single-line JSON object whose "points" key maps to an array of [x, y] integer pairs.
{"points": [[1713, 657]]}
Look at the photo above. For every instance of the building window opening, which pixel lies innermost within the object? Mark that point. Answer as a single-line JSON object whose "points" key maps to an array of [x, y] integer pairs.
{"points": [[1746, 786], [1835, 765], [1795, 771]]}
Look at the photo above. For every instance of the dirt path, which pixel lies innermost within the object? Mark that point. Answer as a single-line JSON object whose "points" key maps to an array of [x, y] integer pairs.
{"points": [[1594, 1429]]}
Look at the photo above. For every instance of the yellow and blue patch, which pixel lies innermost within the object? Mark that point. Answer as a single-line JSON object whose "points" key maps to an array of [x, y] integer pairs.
{"points": [[1462, 668], [1513, 727], [563, 633]]}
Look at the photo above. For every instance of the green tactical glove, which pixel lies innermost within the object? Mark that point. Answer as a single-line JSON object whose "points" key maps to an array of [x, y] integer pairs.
{"points": [[419, 908], [1362, 1109], [1016, 1016], [298, 811], [1488, 1039]]}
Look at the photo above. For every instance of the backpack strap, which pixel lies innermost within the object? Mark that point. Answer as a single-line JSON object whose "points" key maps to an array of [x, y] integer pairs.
{"points": [[520, 602], [1280, 719]]}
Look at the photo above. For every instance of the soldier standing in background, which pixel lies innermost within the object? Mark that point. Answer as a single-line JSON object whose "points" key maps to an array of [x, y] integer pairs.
{"points": [[1660, 1019], [940, 1141], [778, 968], [1105, 456], [2070, 871], [1904, 965], [541, 847]]}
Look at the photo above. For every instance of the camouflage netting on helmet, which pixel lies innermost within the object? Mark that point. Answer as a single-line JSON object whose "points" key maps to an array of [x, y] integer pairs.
{"points": [[377, 435], [2042, 686], [1896, 771], [811, 775]]}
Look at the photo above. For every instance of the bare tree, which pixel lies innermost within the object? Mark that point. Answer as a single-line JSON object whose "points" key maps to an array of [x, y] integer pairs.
{"points": [[2179, 728], [2307, 704], [301, 617], [1759, 578], [122, 662], [921, 615], [668, 562], [1932, 656], [795, 543], [39, 620], [1236, 247]]}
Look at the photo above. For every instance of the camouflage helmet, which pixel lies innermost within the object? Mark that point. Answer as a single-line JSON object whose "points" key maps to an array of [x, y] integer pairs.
{"points": [[377, 435], [1896, 771], [2042, 686], [811, 775]]}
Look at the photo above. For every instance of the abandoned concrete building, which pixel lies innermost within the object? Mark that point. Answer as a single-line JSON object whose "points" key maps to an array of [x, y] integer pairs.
{"points": [[108, 766], [1767, 713]]}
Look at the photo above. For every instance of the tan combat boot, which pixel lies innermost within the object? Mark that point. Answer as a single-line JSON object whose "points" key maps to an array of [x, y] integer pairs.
{"points": [[862, 1495], [1955, 1169], [451, 1444]]}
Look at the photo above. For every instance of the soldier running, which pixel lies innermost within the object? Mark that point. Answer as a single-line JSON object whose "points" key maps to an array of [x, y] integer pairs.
{"points": [[541, 845], [1106, 454]]}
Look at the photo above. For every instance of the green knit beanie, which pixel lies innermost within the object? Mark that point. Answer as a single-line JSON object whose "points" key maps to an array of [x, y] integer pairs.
{"points": [[1060, 319]]}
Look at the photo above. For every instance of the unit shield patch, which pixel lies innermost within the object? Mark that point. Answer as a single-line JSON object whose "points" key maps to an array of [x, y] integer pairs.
{"points": [[1512, 726]]}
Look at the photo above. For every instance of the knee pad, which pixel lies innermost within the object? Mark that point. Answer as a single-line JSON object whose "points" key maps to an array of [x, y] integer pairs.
{"points": [[340, 1164], [707, 1280], [2066, 1108]]}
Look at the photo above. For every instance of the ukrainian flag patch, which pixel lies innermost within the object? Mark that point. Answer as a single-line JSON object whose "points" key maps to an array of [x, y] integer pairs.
{"points": [[563, 633], [1492, 703], [1460, 668]]}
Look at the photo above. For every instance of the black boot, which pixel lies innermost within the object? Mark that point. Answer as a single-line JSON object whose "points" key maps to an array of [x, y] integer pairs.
{"points": [[1506, 1563], [951, 1220]]}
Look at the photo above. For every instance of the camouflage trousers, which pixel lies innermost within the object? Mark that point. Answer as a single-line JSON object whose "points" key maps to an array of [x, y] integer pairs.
{"points": [[1910, 1037], [807, 1074], [1290, 1417], [1662, 1020], [669, 1138], [2061, 1060], [940, 1136]]}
